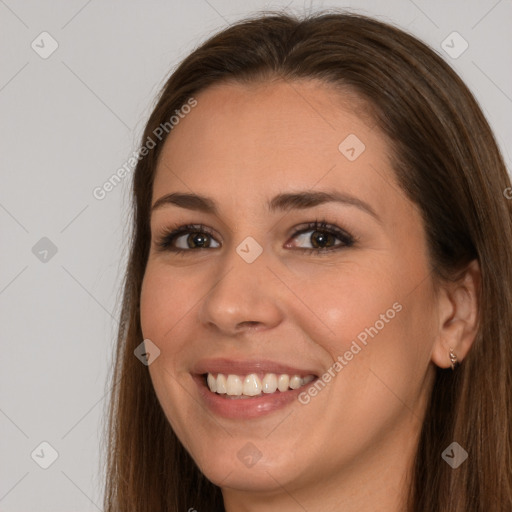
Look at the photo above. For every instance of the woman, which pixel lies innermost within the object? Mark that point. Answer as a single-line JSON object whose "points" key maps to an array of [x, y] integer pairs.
{"points": [[321, 272]]}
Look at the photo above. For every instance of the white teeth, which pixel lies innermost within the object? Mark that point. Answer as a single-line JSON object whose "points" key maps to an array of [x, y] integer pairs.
{"points": [[221, 384], [212, 382], [252, 385], [234, 385], [269, 383], [308, 379], [283, 382], [295, 382]]}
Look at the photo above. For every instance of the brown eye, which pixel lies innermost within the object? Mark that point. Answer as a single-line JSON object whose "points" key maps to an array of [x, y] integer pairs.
{"points": [[321, 236], [186, 238], [321, 239], [195, 240]]}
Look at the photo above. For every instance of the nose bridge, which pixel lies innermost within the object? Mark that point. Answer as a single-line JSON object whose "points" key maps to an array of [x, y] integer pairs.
{"points": [[244, 292]]}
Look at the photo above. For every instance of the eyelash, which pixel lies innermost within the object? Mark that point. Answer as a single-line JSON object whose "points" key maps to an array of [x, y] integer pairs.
{"points": [[168, 237]]}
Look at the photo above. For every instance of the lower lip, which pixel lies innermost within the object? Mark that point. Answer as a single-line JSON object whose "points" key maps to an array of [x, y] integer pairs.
{"points": [[246, 408]]}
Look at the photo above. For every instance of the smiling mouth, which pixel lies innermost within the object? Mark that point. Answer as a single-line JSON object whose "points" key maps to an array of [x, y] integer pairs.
{"points": [[254, 385]]}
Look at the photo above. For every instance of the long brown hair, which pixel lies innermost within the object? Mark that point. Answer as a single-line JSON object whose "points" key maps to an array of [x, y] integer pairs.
{"points": [[447, 162]]}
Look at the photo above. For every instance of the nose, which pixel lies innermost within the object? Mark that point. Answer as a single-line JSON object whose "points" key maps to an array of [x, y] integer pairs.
{"points": [[243, 296]]}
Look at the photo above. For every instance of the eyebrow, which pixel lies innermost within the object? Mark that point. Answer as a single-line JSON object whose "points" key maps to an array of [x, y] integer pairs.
{"points": [[281, 202]]}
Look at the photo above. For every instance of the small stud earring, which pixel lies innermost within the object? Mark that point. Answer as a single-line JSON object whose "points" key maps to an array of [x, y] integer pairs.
{"points": [[453, 359]]}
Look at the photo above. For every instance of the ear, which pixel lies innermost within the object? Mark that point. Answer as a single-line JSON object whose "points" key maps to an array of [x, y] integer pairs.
{"points": [[458, 316]]}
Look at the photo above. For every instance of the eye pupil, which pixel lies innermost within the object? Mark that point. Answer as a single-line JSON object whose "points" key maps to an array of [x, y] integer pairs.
{"points": [[320, 239], [198, 240]]}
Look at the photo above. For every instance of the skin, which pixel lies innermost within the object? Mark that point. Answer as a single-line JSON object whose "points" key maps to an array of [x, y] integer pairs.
{"points": [[354, 442]]}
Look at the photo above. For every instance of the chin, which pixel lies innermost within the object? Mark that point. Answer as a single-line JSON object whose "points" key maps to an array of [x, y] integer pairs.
{"points": [[246, 469]]}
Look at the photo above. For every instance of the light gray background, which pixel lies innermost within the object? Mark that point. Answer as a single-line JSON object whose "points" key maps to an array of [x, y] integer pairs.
{"points": [[67, 123]]}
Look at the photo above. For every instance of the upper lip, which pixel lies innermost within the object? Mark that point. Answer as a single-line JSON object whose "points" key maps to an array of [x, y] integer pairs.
{"points": [[240, 367]]}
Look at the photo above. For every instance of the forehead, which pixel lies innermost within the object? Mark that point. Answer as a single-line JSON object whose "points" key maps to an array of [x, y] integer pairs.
{"points": [[262, 138]]}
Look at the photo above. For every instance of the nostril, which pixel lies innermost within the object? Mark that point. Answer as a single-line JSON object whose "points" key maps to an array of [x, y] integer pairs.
{"points": [[248, 323]]}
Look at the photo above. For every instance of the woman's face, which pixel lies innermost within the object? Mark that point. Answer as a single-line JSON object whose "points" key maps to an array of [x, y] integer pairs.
{"points": [[257, 291]]}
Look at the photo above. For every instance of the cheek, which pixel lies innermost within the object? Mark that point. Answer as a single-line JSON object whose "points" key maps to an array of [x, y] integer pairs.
{"points": [[343, 306], [377, 322], [164, 301], [152, 304], [164, 306]]}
